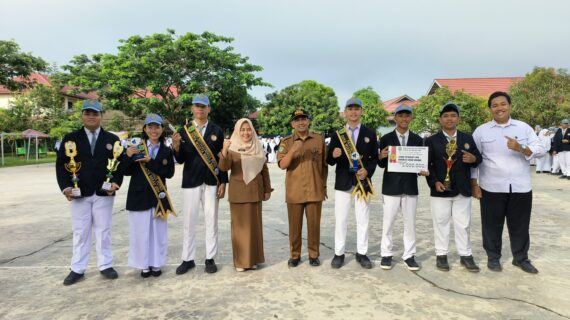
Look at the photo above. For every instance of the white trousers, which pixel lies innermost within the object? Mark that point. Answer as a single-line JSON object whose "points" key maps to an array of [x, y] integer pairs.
{"points": [[148, 240], [91, 215], [391, 206], [342, 204], [443, 210], [564, 159], [544, 163], [204, 197], [555, 164]]}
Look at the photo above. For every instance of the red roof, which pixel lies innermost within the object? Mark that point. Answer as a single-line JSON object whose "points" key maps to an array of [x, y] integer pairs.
{"points": [[31, 133], [43, 79], [480, 87], [253, 115], [392, 104]]}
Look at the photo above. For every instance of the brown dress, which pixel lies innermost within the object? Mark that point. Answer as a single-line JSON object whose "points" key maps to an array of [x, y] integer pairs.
{"points": [[245, 208]]}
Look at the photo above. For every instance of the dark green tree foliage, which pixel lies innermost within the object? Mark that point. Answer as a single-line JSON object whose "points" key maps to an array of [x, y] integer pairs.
{"points": [[161, 72], [374, 114], [14, 63], [474, 111], [542, 98], [319, 100]]}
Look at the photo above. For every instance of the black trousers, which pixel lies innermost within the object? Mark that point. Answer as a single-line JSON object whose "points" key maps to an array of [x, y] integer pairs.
{"points": [[516, 208]]}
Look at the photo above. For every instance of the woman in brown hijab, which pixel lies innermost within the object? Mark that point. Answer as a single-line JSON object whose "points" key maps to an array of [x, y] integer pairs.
{"points": [[243, 154]]}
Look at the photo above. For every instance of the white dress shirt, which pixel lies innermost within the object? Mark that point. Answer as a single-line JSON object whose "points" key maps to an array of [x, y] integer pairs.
{"points": [[405, 134], [356, 132], [505, 170]]}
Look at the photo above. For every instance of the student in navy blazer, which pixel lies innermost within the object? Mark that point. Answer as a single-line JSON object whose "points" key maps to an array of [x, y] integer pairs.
{"points": [[366, 145], [148, 235], [399, 191], [452, 203], [92, 212]]}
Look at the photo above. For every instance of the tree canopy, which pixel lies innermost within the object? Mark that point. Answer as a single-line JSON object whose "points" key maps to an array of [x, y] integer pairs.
{"points": [[542, 98], [426, 113], [374, 114], [319, 100], [14, 63], [159, 73]]}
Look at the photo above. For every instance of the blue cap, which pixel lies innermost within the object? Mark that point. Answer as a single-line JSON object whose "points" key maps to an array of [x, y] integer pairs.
{"points": [[92, 105], [153, 118], [201, 99], [564, 121], [449, 107], [403, 108], [353, 102]]}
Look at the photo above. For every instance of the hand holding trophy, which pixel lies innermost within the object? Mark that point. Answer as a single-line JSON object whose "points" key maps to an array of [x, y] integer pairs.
{"points": [[73, 167], [138, 144], [112, 166], [450, 149]]}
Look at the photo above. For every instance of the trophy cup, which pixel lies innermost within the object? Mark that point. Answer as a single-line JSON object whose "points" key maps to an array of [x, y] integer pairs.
{"points": [[450, 149], [354, 167], [137, 143], [112, 165], [73, 167]]}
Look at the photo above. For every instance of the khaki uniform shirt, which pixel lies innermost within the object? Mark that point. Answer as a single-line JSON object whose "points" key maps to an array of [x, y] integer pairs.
{"points": [[306, 178]]}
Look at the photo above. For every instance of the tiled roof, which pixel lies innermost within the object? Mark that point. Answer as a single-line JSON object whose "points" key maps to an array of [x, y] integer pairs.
{"points": [[43, 79], [392, 104], [480, 87]]}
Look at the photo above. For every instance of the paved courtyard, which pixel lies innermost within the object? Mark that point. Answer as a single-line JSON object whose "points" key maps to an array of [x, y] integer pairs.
{"points": [[35, 249]]}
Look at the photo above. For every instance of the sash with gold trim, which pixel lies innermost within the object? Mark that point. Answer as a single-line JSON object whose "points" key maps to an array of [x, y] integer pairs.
{"points": [[164, 206], [363, 188], [203, 150]]}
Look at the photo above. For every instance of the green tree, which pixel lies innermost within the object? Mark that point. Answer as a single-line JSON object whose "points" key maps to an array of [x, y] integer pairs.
{"points": [[474, 111], [319, 100], [14, 63], [374, 114], [160, 73], [116, 123], [542, 98]]}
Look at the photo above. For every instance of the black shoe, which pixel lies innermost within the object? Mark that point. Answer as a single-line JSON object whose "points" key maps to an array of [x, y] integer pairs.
{"points": [[364, 261], [386, 263], [293, 262], [210, 266], [156, 273], [145, 274], [185, 266], [494, 265], [441, 263], [412, 264], [110, 273], [562, 177], [525, 265], [469, 263], [314, 262], [337, 261], [72, 278]]}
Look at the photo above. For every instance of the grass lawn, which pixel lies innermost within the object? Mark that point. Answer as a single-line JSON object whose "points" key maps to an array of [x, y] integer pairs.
{"points": [[12, 161]]}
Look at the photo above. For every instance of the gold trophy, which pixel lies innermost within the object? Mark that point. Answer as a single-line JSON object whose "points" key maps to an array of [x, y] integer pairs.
{"points": [[450, 149], [73, 167], [112, 165]]}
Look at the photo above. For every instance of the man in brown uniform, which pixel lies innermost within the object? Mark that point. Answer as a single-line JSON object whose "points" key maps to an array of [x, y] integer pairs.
{"points": [[303, 155]]}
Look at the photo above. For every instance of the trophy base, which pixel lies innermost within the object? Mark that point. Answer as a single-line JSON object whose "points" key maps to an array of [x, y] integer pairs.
{"points": [[107, 186], [137, 156], [75, 193], [353, 170]]}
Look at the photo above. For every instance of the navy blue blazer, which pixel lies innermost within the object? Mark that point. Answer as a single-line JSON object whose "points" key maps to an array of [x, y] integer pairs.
{"points": [[398, 183], [195, 171], [93, 169], [140, 196], [367, 147], [460, 173]]}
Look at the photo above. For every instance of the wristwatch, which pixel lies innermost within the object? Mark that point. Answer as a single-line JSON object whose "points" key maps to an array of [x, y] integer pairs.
{"points": [[523, 148]]}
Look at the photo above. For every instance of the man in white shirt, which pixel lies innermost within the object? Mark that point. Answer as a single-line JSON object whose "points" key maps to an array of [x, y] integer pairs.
{"points": [[504, 188]]}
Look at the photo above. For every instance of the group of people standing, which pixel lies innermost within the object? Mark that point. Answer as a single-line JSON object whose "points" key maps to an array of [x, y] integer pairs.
{"points": [[492, 165], [557, 141]]}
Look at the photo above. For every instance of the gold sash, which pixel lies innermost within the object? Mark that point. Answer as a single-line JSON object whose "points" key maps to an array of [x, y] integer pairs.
{"points": [[363, 188], [203, 150], [164, 206]]}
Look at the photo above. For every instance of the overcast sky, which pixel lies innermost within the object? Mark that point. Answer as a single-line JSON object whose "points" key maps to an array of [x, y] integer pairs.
{"points": [[397, 47]]}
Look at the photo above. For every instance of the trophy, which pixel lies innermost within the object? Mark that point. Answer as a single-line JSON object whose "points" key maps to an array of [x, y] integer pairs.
{"points": [[137, 143], [73, 167], [112, 165], [354, 167], [450, 149]]}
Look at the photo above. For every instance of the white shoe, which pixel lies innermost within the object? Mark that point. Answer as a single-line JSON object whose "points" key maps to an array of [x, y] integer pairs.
{"points": [[240, 269]]}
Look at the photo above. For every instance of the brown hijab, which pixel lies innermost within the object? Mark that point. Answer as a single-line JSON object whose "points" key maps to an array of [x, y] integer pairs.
{"points": [[252, 153]]}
